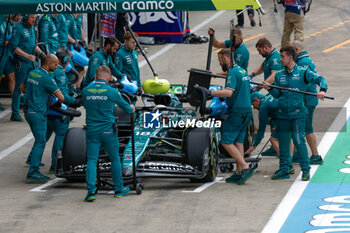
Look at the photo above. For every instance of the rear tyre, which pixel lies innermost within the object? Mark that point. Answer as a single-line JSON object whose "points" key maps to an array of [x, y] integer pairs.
{"points": [[201, 151], [74, 153]]}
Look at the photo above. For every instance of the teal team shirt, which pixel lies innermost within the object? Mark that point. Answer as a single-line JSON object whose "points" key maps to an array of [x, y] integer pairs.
{"points": [[23, 38], [237, 79], [303, 59], [39, 86], [126, 61], [291, 104], [240, 55], [61, 80], [272, 63], [62, 30], [71, 26], [48, 33], [100, 58], [79, 23], [4, 37], [267, 111], [99, 100]]}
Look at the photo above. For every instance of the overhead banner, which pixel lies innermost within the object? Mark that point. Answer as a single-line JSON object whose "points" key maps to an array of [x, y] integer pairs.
{"points": [[86, 6]]}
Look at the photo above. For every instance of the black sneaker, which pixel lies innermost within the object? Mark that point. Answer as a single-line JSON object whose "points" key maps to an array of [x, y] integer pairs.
{"points": [[252, 21], [239, 26], [15, 117]]}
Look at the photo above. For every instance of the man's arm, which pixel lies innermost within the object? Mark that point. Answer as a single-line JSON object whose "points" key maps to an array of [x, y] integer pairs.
{"points": [[14, 43], [62, 30], [59, 95], [216, 43], [115, 72], [51, 86], [263, 121], [62, 81], [223, 93], [118, 99], [44, 26], [82, 34], [22, 87], [257, 71], [2, 34], [312, 77], [118, 61], [271, 78], [273, 91]]}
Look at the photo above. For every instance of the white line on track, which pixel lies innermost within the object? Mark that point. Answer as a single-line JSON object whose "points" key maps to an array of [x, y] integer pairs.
{"points": [[41, 187], [296, 190], [204, 186], [15, 146], [170, 46], [5, 112]]}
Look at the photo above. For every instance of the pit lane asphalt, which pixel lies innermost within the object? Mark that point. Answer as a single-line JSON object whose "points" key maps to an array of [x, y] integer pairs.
{"points": [[163, 206]]}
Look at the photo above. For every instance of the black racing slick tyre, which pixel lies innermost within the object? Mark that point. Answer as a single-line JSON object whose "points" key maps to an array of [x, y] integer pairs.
{"points": [[201, 152], [74, 153]]}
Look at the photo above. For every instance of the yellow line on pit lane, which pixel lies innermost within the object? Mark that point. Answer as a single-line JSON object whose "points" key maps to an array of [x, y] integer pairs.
{"points": [[327, 29], [253, 37], [336, 46], [244, 40]]}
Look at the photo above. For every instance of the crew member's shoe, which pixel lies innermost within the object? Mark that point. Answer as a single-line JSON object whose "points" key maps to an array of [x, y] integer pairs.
{"points": [[316, 160], [37, 177], [306, 175], [124, 192], [16, 117], [269, 152], [41, 164], [52, 170], [245, 175], [234, 178], [252, 21], [279, 175], [291, 169], [90, 197]]}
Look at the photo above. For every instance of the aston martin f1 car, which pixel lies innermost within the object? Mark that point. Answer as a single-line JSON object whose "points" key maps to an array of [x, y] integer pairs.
{"points": [[165, 139]]}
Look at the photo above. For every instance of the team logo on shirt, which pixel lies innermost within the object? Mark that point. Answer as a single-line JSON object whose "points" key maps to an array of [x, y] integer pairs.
{"points": [[97, 91], [275, 61], [35, 75]]}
